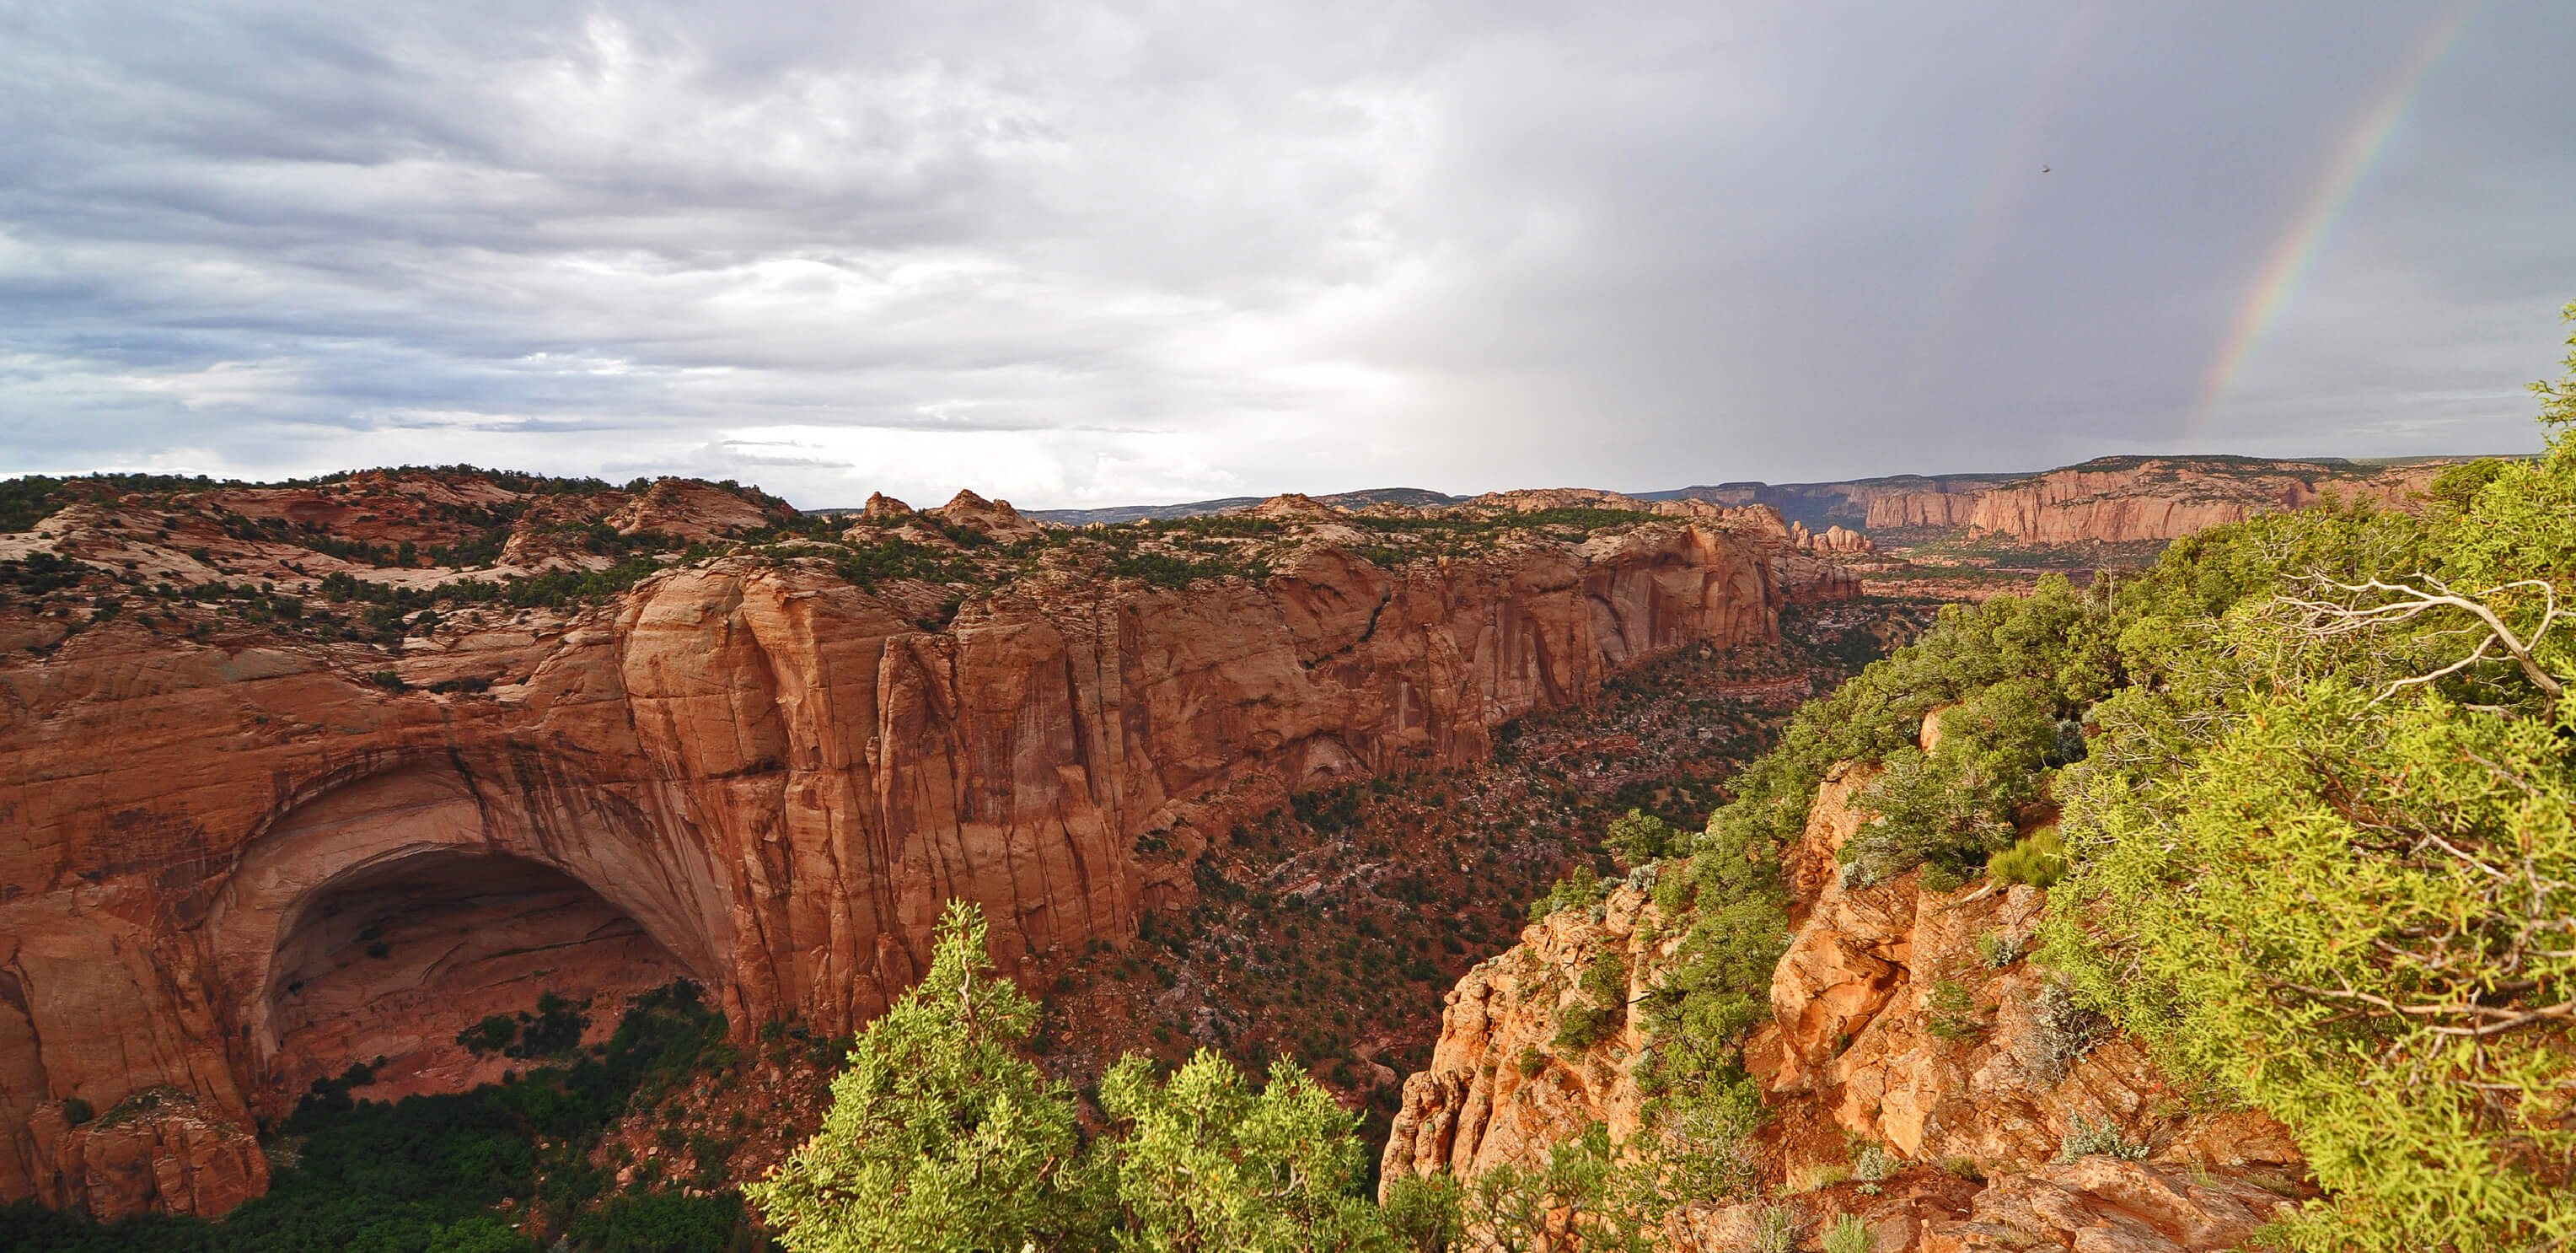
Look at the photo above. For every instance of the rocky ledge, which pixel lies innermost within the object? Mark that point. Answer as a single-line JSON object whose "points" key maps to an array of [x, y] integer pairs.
{"points": [[1905, 1022]]}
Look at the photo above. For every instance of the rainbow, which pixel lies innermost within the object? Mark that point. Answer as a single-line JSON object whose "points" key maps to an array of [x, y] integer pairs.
{"points": [[2296, 253]]}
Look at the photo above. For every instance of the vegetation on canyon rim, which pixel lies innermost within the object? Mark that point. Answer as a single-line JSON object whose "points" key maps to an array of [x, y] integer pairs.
{"points": [[2318, 848]]}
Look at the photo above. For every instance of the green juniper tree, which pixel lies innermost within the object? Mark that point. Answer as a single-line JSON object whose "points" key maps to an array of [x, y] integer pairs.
{"points": [[1206, 1164], [941, 1135]]}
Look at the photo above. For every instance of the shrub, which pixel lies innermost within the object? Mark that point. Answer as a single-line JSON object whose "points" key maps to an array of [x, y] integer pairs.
{"points": [[1581, 889], [1849, 1234], [1953, 1013], [1998, 950], [2038, 860], [1423, 1213], [1873, 1163], [1776, 1229], [1638, 838], [1602, 1010], [2087, 1139], [941, 1122], [77, 1111], [1705, 1150], [1530, 1062], [491, 1035], [2065, 1030]]}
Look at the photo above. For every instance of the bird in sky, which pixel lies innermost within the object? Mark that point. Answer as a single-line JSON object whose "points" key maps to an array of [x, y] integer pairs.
{"points": [[2043, 169]]}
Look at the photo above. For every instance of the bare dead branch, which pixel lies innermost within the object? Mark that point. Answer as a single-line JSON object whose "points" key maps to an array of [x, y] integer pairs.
{"points": [[2326, 619]]}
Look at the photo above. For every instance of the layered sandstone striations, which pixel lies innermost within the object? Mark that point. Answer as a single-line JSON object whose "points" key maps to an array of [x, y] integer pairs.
{"points": [[2131, 499], [237, 859], [1862, 1049]]}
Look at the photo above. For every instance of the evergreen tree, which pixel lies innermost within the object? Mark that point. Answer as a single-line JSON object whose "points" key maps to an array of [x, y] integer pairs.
{"points": [[1207, 1165], [941, 1136]]}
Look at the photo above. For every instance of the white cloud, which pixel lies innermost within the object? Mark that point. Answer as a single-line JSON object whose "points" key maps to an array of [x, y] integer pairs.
{"points": [[1089, 253]]}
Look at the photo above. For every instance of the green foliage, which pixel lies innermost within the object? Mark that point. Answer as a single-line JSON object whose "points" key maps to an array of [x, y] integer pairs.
{"points": [[2458, 486], [1581, 889], [2323, 855], [940, 1135], [2399, 909], [77, 1111], [26, 500], [1998, 950], [1873, 1162], [1530, 1061], [2016, 667], [1169, 570], [2038, 860], [894, 557], [665, 1222], [29, 499], [1718, 987], [2064, 1028], [1637, 838], [2088, 1139], [1955, 806], [1703, 1149], [1602, 1010], [1584, 1200], [391, 603], [1848, 1234], [1775, 1229], [40, 572], [1952, 1013], [2558, 400], [1208, 1164], [555, 1029], [1424, 1213], [491, 1035]]}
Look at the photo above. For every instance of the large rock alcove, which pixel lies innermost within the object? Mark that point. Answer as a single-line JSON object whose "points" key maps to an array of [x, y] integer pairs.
{"points": [[384, 917]]}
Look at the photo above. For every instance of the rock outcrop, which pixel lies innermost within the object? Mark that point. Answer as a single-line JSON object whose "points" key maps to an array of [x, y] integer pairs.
{"points": [[1498, 1090], [992, 519], [160, 1154], [1902, 1018], [2133, 499], [233, 863], [1833, 539]]}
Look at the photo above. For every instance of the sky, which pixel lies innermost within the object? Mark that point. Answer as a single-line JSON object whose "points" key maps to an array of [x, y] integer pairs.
{"points": [[1078, 254]]}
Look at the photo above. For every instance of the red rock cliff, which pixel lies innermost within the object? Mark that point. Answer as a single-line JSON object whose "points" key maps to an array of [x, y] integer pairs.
{"points": [[2124, 500], [230, 865]]}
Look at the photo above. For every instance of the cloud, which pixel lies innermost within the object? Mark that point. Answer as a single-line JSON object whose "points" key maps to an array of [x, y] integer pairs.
{"points": [[1085, 253]]}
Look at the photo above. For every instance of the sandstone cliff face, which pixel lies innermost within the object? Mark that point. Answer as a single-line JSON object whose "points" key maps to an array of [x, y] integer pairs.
{"points": [[1923, 509], [1497, 1091], [2131, 500], [1863, 1047], [234, 865]]}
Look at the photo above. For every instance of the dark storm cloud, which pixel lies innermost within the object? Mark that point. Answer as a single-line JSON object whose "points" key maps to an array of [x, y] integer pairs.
{"points": [[1081, 253]]}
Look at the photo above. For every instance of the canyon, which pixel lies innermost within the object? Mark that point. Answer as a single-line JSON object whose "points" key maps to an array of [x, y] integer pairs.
{"points": [[249, 849], [305, 784]]}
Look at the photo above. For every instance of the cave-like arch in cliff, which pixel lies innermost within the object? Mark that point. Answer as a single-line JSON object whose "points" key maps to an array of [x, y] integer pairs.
{"points": [[381, 917]]}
